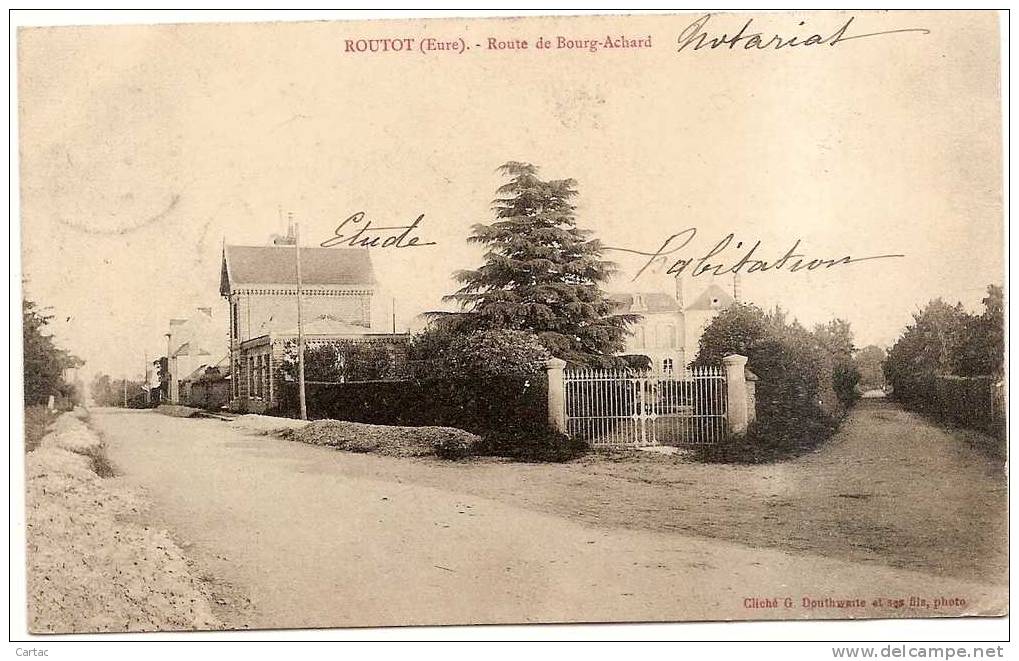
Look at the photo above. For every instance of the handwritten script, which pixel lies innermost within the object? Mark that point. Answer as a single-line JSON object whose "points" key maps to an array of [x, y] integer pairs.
{"points": [[356, 231], [695, 36], [712, 263]]}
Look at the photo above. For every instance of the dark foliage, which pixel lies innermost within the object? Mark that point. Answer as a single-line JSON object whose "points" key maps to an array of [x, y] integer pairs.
{"points": [[772, 439], [868, 362], [38, 418], [806, 381], [343, 361], [106, 391], [947, 362], [489, 383], [542, 274], [44, 361]]}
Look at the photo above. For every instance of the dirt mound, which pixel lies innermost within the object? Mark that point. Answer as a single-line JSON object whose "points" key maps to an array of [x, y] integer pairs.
{"points": [[71, 434], [91, 567], [387, 440], [266, 424], [178, 411]]}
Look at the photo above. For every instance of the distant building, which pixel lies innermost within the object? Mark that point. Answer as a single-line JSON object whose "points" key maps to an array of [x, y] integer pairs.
{"points": [[260, 286], [669, 330], [208, 386], [191, 343]]}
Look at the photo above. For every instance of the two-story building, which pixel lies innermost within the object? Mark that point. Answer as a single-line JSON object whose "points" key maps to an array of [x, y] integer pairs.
{"points": [[192, 343], [669, 330], [260, 284]]}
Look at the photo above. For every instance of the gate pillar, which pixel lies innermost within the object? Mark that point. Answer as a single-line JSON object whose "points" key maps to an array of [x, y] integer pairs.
{"points": [[737, 401], [556, 393]]}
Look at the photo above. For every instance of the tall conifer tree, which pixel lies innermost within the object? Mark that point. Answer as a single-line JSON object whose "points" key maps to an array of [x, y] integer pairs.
{"points": [[542, 273]]}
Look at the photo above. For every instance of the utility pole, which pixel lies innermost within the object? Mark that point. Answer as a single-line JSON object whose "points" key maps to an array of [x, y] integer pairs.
{"points": [[148, 379], [394, 315], [300, 328], [124, 381]]}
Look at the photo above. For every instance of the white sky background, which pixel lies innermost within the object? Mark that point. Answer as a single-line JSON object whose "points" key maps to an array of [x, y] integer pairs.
{"points": [[143, 147]]}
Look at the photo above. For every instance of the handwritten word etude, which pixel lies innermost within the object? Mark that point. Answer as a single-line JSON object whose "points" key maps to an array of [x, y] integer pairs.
{"points": [[357, 231]]}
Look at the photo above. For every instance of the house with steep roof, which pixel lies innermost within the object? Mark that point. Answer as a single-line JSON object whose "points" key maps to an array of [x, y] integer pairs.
{"points": [[191, 342], [669, 331], [259, 284]]}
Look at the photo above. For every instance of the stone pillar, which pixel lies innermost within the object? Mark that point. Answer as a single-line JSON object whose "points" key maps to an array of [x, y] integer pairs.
{"points": [[737, 411], [751, 396], [556, 393]]}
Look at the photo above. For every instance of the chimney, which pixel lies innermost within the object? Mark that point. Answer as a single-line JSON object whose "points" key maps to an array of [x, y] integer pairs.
{"points": [[679, 291], [206, 311], [291, 238], [737, 288]]}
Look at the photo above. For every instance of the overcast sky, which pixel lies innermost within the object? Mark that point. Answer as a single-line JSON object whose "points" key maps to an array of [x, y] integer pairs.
{"points": [[143, 148]]}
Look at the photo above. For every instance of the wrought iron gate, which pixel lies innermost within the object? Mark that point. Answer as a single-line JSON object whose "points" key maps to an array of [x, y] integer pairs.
{"points": [[633, 408]]}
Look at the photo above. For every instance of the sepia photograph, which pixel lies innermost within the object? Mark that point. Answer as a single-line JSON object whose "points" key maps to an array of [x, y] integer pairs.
{"points": [[511, 320]]}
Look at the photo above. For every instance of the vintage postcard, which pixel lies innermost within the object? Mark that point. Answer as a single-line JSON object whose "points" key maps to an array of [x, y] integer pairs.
{"points": [[537, 319]]}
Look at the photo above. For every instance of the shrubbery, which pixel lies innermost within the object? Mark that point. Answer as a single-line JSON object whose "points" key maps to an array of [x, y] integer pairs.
{"points": [[490, 383], [806, 380], [496, 383], [945, 363], [343, 361]]}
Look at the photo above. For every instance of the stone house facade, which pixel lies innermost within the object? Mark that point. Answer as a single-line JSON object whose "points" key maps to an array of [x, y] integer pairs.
{"points": [[259, 284], [669, 330]]}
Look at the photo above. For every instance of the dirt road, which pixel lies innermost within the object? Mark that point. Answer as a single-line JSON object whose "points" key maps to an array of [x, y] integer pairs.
{"points": [[288, 537]]}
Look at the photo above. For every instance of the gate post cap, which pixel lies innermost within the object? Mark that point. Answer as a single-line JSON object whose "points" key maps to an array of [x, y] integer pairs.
{"points": [[555, 364], [734, 360]]}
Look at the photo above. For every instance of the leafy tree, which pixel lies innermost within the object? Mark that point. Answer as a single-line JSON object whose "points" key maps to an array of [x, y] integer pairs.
{"points": [[107, 391], [982, 351], [836, 339], [44, 361], [542, 273], [928, 346], [737, 329], [868, 363], [806, 378], [945, 341]]}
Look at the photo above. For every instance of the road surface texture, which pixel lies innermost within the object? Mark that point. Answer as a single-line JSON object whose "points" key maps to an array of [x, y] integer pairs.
{"points": [[290, 535]]}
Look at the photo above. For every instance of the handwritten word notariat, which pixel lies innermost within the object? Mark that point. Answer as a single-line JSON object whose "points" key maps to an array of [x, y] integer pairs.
{"points": [[713, 263], [353, 234], [696, 36]]}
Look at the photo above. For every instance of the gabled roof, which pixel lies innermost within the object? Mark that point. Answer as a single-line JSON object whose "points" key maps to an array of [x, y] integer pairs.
{"points": [[650, 302], [712, 298], [196, 373], [198, 335], [187, 350], [277, 265], [327, 326]]}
